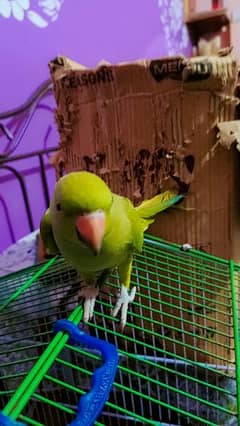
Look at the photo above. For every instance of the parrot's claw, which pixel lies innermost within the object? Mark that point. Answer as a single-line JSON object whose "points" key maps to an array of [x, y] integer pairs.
{"points": [[88, 309], [124, 298], [89, 294]]}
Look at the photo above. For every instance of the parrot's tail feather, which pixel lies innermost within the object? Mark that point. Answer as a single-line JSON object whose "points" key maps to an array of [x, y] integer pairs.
{"points": [[149, 208]]}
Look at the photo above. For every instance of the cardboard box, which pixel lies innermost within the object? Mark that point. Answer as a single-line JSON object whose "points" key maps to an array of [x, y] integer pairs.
{"points": [[149, 126]]}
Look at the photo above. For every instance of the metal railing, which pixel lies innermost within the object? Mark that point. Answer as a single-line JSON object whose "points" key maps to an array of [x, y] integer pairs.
{"points": [[13, 126]]}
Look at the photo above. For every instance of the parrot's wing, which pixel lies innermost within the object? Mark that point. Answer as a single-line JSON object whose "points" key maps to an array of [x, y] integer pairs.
{"points": [[139, 227], [47, 234], [149, 208], [146, 211]]}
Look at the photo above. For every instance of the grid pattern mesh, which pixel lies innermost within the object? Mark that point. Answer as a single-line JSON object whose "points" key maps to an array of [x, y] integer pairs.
{"points": [[177, 354]]}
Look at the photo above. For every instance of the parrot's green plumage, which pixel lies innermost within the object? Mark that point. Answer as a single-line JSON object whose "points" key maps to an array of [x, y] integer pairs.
{"points": [[96, 230]]}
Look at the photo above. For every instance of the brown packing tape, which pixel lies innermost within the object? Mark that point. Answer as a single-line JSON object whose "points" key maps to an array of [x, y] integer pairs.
{"points": [[211, 73], [159, 68]]}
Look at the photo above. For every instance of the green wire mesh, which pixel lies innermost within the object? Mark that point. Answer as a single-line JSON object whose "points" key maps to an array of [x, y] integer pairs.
{"points": [[179, 354]]}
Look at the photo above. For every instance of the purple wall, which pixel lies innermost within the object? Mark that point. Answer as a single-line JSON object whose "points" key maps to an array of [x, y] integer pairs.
{"points": [[33, 32]]}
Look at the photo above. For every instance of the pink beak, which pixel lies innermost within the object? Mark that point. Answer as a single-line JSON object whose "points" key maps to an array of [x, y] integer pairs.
{"points": [[90, 228]]}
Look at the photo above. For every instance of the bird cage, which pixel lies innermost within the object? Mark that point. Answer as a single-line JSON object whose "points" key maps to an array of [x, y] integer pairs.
{"points": [[178, 357]]}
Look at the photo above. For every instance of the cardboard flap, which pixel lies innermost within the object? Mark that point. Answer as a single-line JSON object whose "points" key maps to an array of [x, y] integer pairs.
{"points": [[60, 65]]}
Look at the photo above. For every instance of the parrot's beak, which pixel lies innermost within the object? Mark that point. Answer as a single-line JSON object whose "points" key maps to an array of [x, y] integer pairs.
{"points": [[90, 229]]}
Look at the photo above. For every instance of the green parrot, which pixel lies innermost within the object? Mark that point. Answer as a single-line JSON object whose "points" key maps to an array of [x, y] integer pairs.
{"points": [[96, 230]]}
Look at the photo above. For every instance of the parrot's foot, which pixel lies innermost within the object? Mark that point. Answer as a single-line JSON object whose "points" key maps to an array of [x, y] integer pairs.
{"points": [[124, 298], [89, 294]]}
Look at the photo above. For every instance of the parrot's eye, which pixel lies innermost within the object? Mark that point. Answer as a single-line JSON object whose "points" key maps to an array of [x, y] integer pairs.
{"points": [[58, 205]]}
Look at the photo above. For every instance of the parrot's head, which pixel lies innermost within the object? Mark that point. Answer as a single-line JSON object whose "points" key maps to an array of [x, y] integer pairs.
{"points": [[83, 200]]}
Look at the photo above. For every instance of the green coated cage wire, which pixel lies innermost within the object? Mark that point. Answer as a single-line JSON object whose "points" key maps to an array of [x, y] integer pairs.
{"points": [[179, 354]]}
